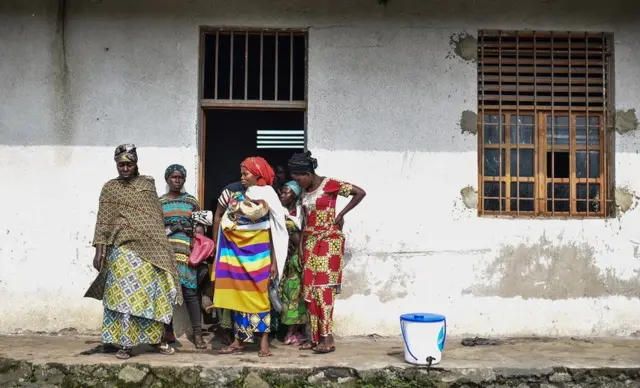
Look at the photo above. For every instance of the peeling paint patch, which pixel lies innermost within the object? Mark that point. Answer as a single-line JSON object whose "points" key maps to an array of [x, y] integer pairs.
{"points": [[545, 270], [357, 284], [395, 287], [469, 122], [469, 197], [626, 121], [624, 199], [464, 46]]}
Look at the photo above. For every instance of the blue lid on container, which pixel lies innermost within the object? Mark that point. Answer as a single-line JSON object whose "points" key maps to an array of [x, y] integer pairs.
{"points": [[422, 317]]}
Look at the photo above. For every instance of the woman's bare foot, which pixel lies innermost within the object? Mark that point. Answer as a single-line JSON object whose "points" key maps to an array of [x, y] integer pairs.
{"points": [[199, 340], [326, 345], [236, 347], [169, 337], [265, 351], [291, 335]]}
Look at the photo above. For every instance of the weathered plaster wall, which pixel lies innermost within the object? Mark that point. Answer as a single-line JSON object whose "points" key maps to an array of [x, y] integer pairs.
{"points": [[392, 90]]}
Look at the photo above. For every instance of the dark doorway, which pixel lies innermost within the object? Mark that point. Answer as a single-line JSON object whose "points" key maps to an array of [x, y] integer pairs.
{"points": [[231, 135]]}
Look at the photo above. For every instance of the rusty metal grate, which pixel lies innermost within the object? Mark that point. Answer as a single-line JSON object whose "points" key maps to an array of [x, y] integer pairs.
{"points": [[254, 68], [543, 103], [527, 70]]}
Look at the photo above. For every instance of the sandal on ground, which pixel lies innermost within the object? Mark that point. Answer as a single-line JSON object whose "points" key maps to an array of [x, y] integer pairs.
{"points": [[307, 346], [226, 339], [265, 354], [289, 339], [297, 339], [123, 354], [199, 341], [324, 349], [231, 350], [164, 349]]}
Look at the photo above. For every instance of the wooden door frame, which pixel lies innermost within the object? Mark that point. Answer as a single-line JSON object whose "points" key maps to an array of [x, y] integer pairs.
{"points": [[205, 105]]}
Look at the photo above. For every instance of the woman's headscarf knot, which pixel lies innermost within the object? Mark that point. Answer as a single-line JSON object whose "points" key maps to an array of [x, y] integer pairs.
{"points": [[260, 169], [126, 153], [173, 168], [295, 187], [302, 163]]}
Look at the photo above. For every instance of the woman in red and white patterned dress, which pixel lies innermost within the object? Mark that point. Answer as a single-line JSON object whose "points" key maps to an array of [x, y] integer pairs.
{"points": [[322, 245]]}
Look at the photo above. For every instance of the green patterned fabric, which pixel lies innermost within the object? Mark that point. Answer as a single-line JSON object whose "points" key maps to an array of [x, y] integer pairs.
{"points": [[138, 300], [295, 311]]}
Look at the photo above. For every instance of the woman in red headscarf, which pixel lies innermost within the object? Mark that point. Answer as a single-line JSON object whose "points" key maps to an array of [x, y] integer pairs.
{"points": [[251, 239]]}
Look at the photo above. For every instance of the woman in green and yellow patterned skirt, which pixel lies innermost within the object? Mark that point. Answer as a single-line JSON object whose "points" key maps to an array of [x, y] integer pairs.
{"points": [[138, 281], [295, 312]]}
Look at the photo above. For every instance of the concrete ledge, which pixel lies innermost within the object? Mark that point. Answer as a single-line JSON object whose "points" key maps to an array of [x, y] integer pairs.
{"points": [[57, 362]]}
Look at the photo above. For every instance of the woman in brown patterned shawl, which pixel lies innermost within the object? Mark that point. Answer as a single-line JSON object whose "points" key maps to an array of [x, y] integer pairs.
{"points": [[138, 281]]}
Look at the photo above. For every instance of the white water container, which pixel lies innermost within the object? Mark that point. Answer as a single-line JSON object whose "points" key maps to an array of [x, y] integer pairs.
{"points": [[424, 335]]}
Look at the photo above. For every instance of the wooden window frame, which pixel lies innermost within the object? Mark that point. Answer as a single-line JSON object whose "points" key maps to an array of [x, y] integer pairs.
{"points": [[540, 109]]}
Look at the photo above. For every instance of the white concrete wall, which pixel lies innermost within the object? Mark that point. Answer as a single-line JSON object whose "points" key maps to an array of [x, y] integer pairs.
{"points": [[386, 93]]}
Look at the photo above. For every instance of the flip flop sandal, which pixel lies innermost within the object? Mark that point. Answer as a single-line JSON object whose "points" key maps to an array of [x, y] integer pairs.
{"points": [[199, 341], [229, 350], [165, 349], [263, 354], [297, 340], [324, 350], [307, 346], [123, 354]]}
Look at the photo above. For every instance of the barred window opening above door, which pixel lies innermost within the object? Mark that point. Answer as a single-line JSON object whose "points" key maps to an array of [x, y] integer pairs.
{"points": [[545, 148]]}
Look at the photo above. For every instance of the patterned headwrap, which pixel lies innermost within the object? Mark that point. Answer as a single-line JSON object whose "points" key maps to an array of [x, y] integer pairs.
{"points": [[175, 167], [302, 163], [295, 187], [126, 153], [260, 169]]}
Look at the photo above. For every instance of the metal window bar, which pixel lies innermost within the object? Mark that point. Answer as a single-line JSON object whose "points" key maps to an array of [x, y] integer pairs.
{"points": [[517, 127], [231, 69], [251, 53], [276, 71], [586, 123], [482, 115], [261, 61], [246, 64], [291, 66], [500, 129], [537, 193], [572, 139], [215, 87], [553, 136], [604, 167]]}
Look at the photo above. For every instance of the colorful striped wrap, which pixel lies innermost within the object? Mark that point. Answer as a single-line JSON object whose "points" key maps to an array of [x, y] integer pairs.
{"points": [[243, 265]]}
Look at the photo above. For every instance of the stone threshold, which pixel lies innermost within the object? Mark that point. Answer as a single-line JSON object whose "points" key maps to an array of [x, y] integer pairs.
{"points": [[44, 361]]}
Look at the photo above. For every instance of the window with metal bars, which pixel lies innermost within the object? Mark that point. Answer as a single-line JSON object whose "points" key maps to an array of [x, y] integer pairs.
{"points": [[544, 112], [254, 68]]}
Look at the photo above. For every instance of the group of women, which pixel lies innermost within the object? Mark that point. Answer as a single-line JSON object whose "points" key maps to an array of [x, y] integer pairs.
{"points": [[263, 239]]}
